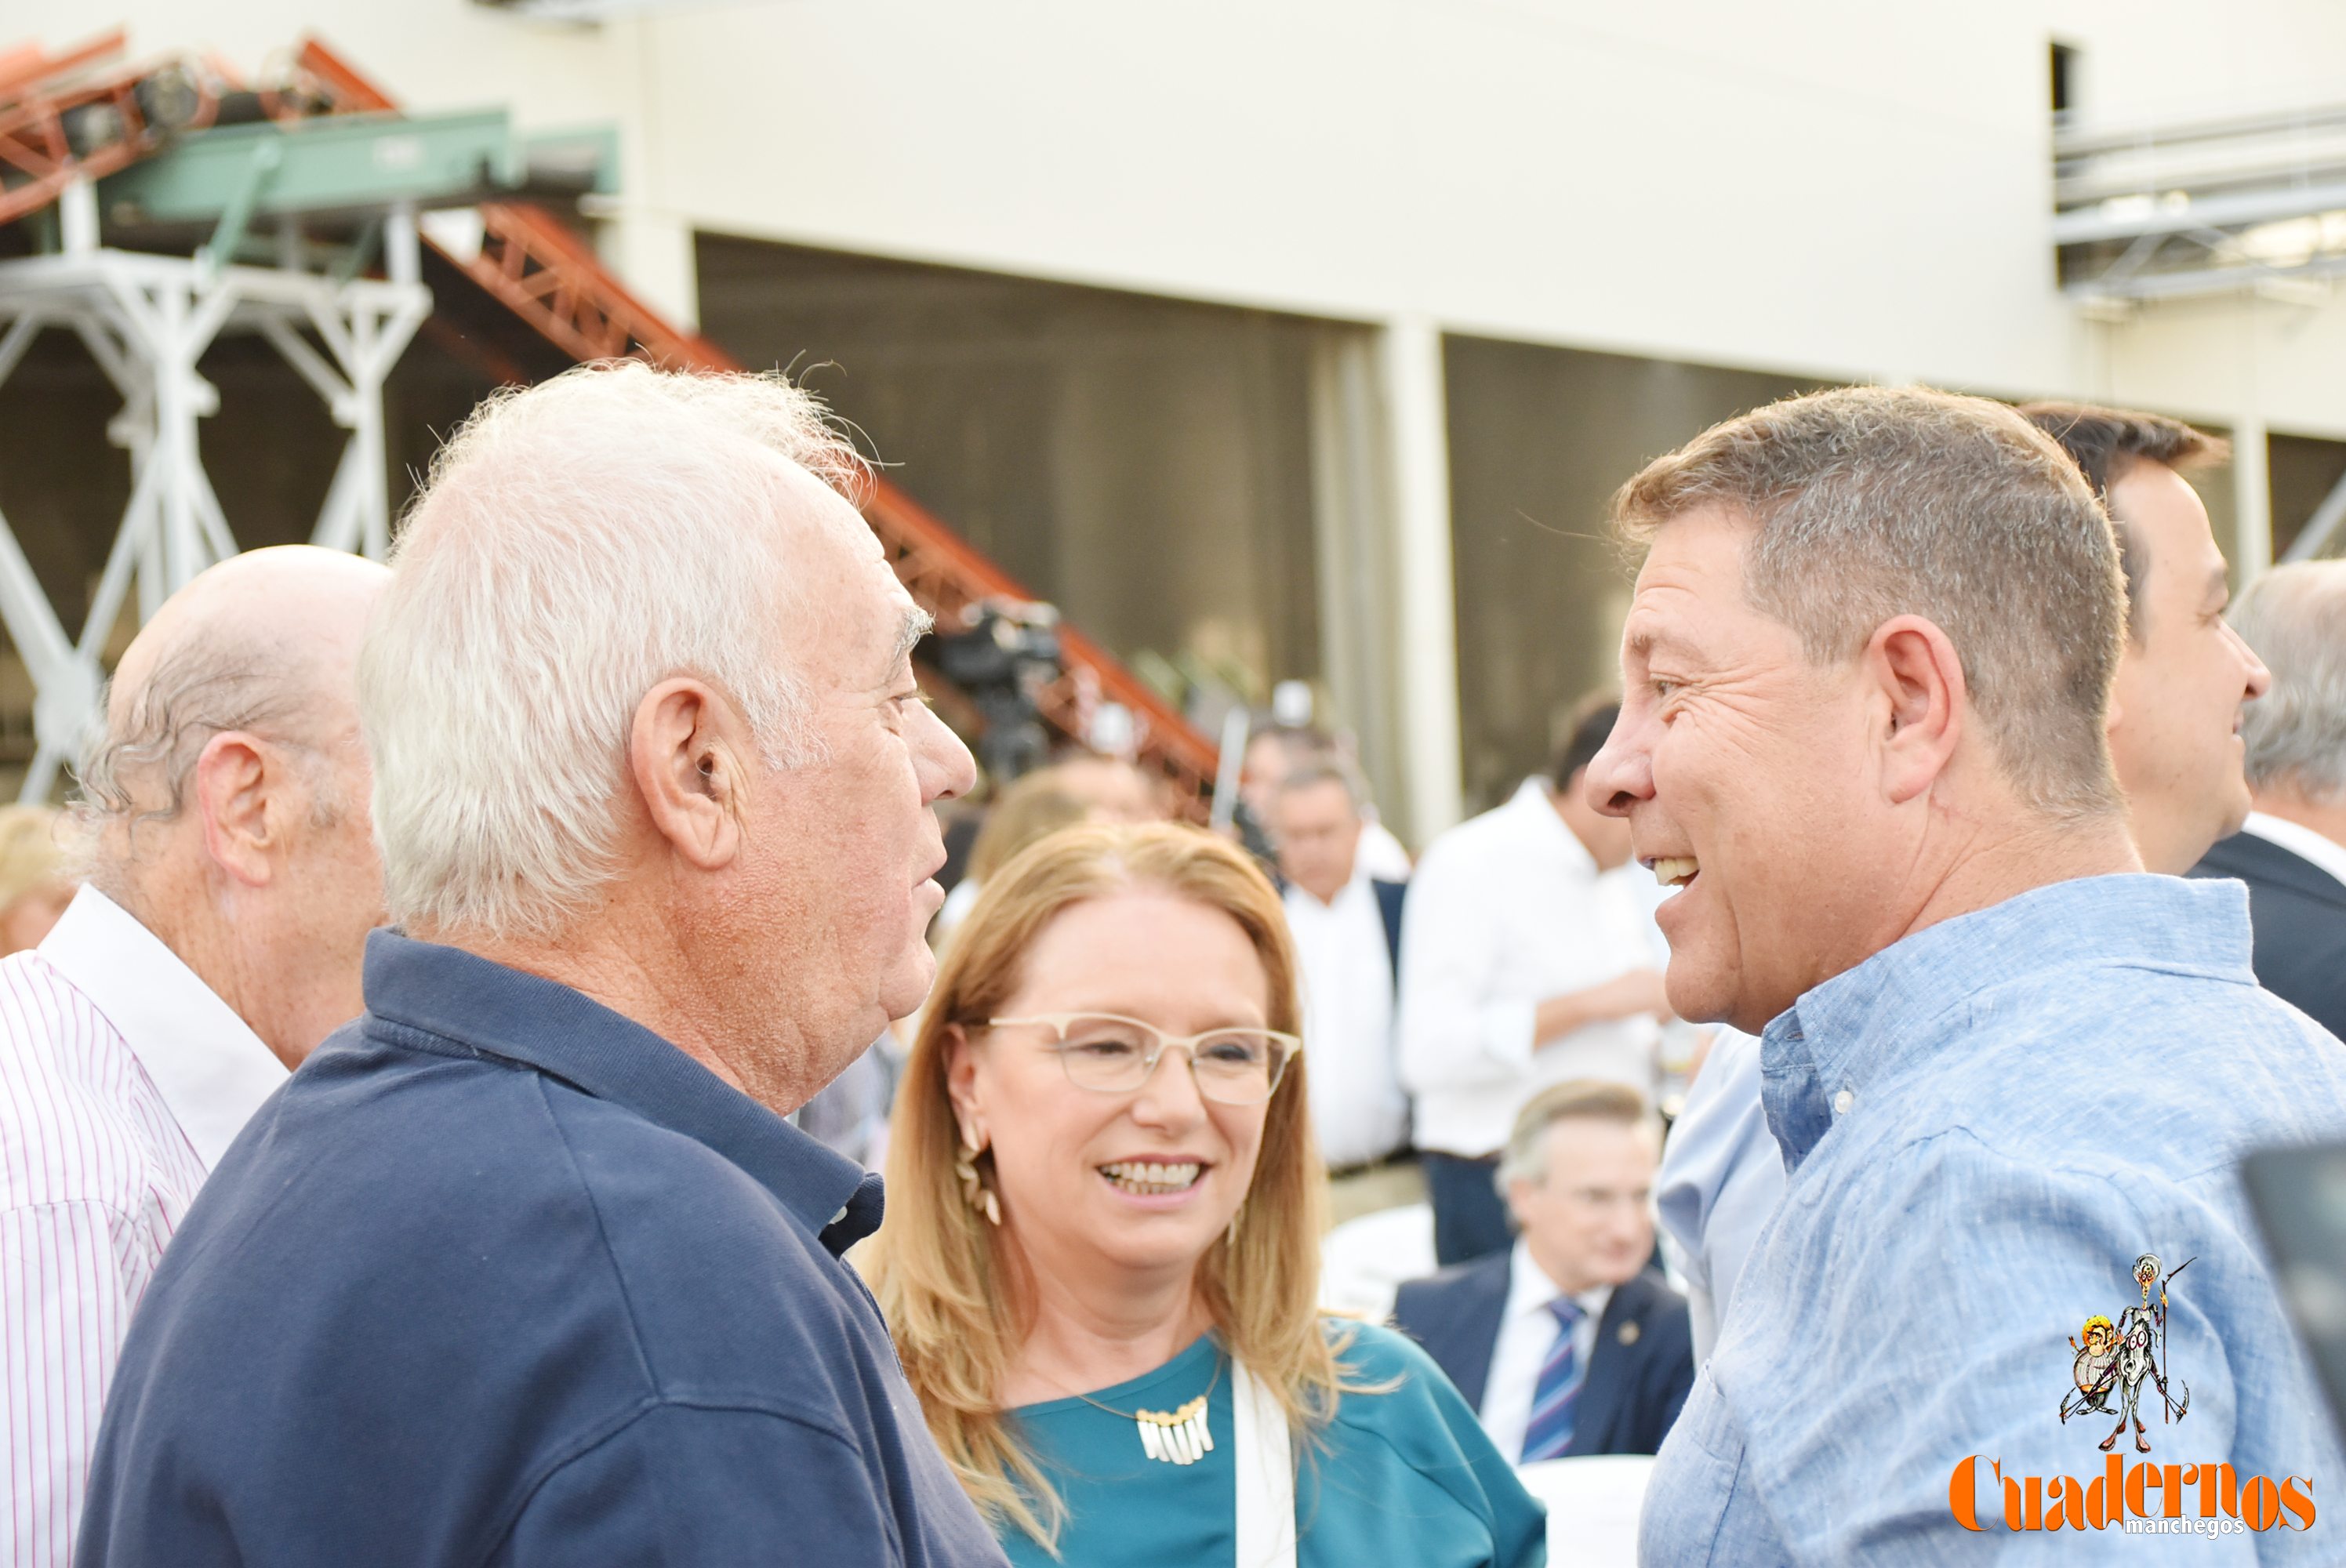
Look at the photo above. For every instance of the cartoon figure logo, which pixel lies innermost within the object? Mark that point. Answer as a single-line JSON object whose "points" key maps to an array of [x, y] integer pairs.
{"points": [[2116, 1358]]}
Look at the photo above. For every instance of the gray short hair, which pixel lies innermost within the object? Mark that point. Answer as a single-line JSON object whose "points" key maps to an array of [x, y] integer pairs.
{"points": [[138, 755], [1876, 501], [2294, 616], [1588, 1099], [1327, 767], [579, 542]]}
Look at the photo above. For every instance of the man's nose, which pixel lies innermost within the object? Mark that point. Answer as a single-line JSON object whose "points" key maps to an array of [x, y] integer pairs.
{"points": [[2260, 677], [1620, 774], [949, 771]]}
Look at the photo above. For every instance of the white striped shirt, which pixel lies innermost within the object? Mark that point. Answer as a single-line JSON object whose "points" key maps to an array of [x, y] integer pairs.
{"points": [[123, 1079]]}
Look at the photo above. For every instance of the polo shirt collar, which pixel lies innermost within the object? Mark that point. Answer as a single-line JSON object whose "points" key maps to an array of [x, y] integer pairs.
{"points": [[495, 1011], [211, 1070], [1894, 1010]]}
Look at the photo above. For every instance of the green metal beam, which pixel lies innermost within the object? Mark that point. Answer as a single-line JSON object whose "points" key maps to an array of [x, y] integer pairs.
{"points": [[575, 152], [261, 161], [331, 164]]}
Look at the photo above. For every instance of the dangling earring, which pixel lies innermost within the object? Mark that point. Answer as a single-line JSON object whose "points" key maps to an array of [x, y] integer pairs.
{"points": [[1230, 1236], [974, 1190]]}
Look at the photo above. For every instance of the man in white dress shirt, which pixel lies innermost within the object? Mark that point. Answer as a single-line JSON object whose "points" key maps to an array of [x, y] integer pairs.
{"points": [[232, 880], [1525, 961], [1345, 924]]}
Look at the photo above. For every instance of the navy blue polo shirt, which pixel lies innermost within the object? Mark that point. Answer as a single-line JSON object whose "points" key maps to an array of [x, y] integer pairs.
{"points": [[500, 1277]]}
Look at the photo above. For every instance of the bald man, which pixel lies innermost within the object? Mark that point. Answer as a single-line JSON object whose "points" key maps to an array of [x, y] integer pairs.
{"points": [[232, 880]]}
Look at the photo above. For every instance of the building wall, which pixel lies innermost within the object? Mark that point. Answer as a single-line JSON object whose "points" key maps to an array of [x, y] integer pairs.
{"points": [[1829, 189], [1539, 440], [1144, 463], [1783, 194]]}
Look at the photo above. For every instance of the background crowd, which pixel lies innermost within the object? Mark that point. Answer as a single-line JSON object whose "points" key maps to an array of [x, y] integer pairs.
{"points": [[612, 813]]}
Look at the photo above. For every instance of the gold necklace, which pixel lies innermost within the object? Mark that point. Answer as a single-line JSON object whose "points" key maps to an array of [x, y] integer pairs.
{"points": [[1177, 1435]]}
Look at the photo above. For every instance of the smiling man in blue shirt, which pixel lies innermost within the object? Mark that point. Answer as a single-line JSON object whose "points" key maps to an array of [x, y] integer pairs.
{"points": [[527, 1267], [1867, 670]]}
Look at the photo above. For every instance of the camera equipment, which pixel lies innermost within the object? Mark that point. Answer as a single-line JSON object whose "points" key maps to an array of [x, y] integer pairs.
{"points": [[1006, 657]]}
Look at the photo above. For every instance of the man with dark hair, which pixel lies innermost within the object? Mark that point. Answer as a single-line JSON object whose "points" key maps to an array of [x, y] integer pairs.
{"points": [[2185, 675], [1523, 962]]}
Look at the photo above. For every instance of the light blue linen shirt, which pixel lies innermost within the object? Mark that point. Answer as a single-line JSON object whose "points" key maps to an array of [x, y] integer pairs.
{"points": [[1720, 1180], [1986, 1124]]}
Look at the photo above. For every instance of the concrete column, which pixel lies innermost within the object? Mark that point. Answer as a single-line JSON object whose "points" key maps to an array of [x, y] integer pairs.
{"points": [[2251, 499], [1353, 551], [2252, 471], [1426, 632], [646, 239]]}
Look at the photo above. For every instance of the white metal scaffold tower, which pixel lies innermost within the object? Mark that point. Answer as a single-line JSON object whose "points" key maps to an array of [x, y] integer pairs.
{"points": [[146, 319]]}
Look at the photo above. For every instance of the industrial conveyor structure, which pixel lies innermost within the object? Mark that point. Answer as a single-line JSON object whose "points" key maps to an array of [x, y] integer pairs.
{"points": [[2187, 207], [305, 206]]}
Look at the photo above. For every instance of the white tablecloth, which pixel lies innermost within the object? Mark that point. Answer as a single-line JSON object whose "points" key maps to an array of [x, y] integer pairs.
{"points": [[1592, 1507]]}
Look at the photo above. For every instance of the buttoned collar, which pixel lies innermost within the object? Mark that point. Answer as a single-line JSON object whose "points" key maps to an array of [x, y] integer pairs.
{"points": [[211, 1070], [1890, 1013], [495, 1011], [1533, 808], [1531, 1292], [1352, 892]]}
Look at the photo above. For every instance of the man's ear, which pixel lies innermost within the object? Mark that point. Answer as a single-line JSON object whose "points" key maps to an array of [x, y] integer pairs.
{"points": [[239, 795], [685, 755], [1921, 697]]}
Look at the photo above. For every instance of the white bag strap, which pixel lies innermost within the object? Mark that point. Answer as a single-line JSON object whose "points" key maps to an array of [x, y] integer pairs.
{"points": [[1265, 1458]]}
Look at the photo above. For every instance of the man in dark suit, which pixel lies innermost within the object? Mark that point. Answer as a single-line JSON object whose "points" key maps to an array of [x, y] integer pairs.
{"points": [[2292, 851], [1570, 1343]]}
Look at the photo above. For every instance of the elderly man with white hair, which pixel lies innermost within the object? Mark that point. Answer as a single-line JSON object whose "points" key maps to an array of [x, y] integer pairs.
{"points": [[2291, 852], [527, 1267], [231, 885], [1867, 670]]}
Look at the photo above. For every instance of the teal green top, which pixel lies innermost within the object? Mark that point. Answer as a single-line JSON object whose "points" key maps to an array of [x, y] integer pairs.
{"points": [[1400, 1477]]}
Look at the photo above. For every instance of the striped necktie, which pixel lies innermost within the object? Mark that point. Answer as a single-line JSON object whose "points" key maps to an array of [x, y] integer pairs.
{"points": [[1550, 1432]]}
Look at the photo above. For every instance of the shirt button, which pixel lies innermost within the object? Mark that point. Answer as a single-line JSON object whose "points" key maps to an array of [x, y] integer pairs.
{"points": [[1843, 1101]]}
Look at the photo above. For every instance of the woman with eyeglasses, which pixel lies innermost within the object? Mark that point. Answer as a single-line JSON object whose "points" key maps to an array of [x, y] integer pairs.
{"points": [[1101, 1255]]}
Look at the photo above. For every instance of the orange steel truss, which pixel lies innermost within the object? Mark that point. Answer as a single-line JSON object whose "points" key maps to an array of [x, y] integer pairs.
{"points": [[39, 92], [553, 280]]}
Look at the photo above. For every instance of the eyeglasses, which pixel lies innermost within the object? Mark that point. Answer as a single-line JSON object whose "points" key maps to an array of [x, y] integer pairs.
{"points": [[1113, 1055]]}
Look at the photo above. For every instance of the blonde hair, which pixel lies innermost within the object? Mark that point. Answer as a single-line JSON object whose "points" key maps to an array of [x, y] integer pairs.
{"points": [[938, 1268], [1033, 807]]}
